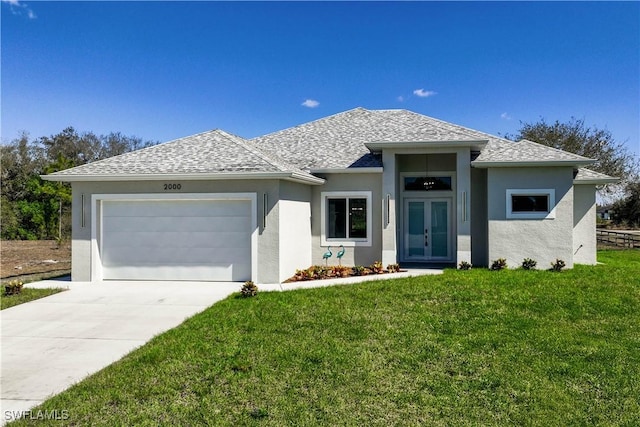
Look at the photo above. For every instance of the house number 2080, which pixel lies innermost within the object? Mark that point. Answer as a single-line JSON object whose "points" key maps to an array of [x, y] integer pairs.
{"points": [[172, 186]]}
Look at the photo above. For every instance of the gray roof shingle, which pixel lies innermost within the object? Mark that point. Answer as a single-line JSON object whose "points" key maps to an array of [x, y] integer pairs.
{"points": [[584, 175], [338, 141], [209, 152], [333, 142], [427, 128], [525, 151]]}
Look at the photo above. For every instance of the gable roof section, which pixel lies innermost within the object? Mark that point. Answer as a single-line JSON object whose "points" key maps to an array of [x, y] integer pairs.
{"points": [[529, 153], [209, 155]]}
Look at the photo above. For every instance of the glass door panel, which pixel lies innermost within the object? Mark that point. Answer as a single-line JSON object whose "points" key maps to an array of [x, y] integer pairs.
{"points": [[439, 229], [415, 234], [427, 228]]}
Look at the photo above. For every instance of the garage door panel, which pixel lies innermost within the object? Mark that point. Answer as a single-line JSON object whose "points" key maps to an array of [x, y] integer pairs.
{"points": [[177, 224], [176, 208], [175, 256], [151, 240], [176, 240]]}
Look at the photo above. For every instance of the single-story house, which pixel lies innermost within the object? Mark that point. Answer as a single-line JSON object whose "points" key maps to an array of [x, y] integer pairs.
{"points": [[389, 185]]}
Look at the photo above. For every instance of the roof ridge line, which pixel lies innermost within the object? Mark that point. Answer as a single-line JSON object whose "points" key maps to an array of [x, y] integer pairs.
{"points": [[308, 123], [268, 157]]}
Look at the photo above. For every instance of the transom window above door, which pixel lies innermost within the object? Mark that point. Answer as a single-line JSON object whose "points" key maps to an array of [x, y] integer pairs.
{"points": [[427, 183], [346, 218]]}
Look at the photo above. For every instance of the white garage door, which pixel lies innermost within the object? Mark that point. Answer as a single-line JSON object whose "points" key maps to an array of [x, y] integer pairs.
{"points": [[176, 240]]}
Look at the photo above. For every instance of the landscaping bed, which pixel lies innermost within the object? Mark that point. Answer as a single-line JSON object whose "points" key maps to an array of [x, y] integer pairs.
{"points": [[320, 272]]}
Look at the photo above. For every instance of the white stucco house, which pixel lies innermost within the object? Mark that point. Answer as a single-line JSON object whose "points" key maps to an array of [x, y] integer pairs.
{"points": [[389, 185]]}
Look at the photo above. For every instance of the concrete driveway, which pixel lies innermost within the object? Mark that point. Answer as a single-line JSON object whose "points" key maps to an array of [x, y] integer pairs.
{"points": [[52, 343]]}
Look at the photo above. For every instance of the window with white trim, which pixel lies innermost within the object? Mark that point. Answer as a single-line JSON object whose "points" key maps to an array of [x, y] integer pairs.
{"points": [[531, 203], [346, 218]]}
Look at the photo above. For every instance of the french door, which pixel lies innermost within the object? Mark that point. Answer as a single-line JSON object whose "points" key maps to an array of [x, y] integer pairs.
{"points": [[427, 229]]}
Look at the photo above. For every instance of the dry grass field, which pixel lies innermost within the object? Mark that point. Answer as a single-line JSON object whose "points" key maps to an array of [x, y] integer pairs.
{"points": [[25, 258]]}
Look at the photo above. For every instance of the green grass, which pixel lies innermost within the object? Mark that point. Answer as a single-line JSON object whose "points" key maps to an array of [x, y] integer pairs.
{"points": [[27, 294], [465, 348]]}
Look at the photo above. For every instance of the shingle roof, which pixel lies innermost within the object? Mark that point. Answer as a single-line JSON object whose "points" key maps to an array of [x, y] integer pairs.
{"points": [[338, 141], [525, 151], [209, 152], [334, 142], [430, 129], [587, 176]]}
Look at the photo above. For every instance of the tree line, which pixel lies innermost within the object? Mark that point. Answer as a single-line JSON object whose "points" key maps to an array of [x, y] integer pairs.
{"points": [[32, 208]]}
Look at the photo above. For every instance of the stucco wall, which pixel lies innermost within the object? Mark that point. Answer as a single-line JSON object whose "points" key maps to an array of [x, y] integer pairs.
{"points": [[359, 255], [295, 228], [268, 237], [584, 224], [542, 240], [478, 212]]}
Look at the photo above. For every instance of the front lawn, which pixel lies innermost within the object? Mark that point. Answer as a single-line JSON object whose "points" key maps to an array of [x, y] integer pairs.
{"points": [[465, 348]]}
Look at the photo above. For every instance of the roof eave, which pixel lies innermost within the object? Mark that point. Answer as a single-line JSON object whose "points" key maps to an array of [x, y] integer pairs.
{"points": [[597, 181], [530, 163], [375, 169], [217, 176], [381, 145], [305, 179]]}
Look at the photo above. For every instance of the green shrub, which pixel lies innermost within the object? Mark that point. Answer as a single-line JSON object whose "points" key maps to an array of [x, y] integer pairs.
{"points": [[302, 275], [464, 265], [529, 264], [499, 264], [322, 272], [393, 268], [14, 287], [339, 271], [558, 265], [359, 270], [249, 289], [377, 267]]}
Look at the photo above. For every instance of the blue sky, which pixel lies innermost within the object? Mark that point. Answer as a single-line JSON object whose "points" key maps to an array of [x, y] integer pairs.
{"points": [[162, 70]]}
